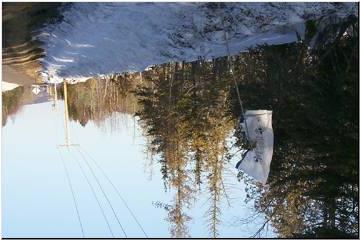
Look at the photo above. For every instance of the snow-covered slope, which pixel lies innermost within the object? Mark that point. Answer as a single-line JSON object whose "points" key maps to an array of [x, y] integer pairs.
{"points": [[102, 38]]}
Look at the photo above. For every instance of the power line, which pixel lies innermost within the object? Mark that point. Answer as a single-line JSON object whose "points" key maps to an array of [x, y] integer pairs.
{"points": [[93, 191], [68, 176], [72, 192], [102, 190], [117, 191]]}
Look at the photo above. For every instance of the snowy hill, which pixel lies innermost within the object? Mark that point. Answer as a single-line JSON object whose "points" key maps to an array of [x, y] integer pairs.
{"points": [[102, 38]]}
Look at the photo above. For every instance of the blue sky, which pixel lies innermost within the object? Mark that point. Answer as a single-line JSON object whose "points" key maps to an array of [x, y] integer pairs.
{"points": [[37, 200]]}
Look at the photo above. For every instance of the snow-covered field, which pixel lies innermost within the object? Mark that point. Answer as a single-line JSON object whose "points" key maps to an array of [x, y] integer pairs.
{"points": [[101, 38]]}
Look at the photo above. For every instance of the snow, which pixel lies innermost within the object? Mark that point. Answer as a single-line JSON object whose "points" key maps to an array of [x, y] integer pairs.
{"points": [[6, 86], [103, 38]]}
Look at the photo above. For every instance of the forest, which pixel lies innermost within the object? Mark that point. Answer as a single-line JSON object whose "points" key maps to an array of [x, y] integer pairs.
{"points": [[190, 110]]}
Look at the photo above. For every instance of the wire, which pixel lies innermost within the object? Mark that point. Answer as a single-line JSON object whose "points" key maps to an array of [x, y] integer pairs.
{"points": [[117, 191], [102, 190], [72, 192], [67, 173], [93, 192]]}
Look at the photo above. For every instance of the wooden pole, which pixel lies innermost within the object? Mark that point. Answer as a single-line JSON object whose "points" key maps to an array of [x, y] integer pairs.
{"points": [[55, 96], [66, 119], [55, 89], [66, 114]]}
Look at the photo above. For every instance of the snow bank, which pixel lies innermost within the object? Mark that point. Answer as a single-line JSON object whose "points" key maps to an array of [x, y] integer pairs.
{"points": [[104, 38], [6, 86]]}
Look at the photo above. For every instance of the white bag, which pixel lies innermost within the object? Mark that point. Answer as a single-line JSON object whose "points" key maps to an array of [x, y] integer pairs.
{"points": [[258, 129]]}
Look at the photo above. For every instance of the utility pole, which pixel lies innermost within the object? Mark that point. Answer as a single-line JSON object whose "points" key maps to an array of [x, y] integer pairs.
{"points": [[134, 122], [55, 96], [66, 119]]}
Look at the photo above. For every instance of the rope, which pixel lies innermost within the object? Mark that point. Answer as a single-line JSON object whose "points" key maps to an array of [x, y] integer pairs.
{"points": [[72, 192], [235, 82], [118, 192], [93, 192], [102, 190]]}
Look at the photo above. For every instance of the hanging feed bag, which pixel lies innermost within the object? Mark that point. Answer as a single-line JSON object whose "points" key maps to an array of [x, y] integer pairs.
{"points": [[258, 130]]}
